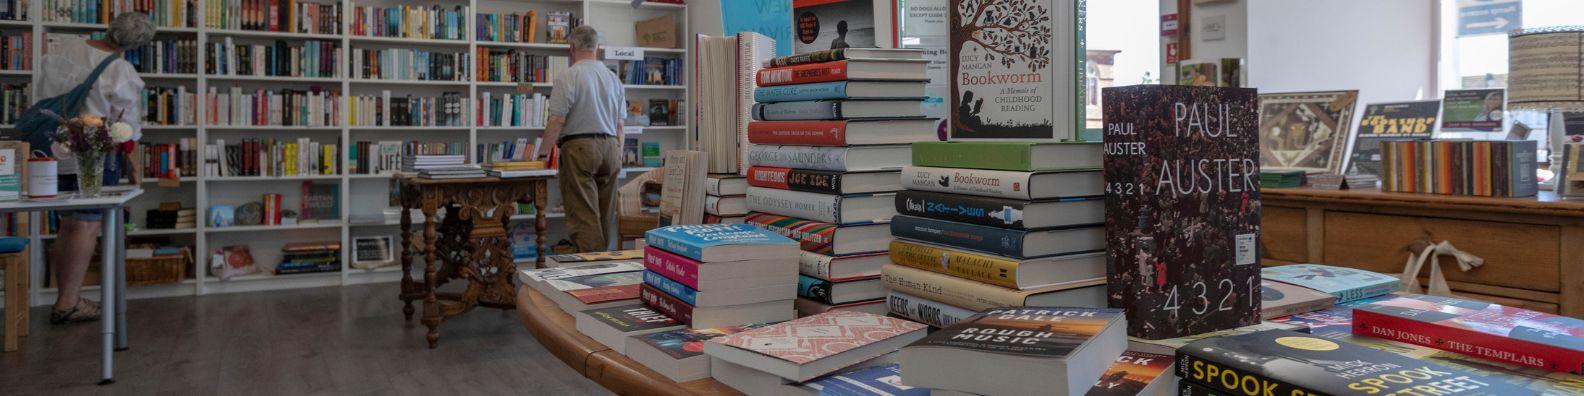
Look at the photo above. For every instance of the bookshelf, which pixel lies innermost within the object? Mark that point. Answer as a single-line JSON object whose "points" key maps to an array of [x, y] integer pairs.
{"points": [[614, 20]]}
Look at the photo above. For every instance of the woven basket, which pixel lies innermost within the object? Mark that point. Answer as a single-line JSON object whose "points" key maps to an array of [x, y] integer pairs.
{"points": [[157, 270]]}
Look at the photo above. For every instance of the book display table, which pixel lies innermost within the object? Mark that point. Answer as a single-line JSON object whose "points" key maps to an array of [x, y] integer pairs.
{"points": [[1533, 247], [557, 331], [471, 243]]}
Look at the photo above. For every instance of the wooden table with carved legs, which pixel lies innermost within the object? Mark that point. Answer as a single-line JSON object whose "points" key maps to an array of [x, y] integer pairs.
{"points": [[471, 243]]}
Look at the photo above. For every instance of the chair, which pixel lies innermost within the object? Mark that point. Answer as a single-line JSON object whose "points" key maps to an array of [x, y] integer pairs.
{"points": [[631, 221], [14, 261]]}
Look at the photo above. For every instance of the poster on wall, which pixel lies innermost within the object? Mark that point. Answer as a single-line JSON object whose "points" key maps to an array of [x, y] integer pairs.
{"points": [[772, 18], [1016, 69], [924, 26], [1473, 110], [1390, 121], [835, 24], [1305, 130]]}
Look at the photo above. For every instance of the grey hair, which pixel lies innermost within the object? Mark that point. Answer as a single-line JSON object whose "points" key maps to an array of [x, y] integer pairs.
{"points": [[130, 30], [584, 38]]}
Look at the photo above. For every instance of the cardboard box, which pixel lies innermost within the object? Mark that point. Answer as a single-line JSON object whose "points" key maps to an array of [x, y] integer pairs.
{"points": [[657, 33]]}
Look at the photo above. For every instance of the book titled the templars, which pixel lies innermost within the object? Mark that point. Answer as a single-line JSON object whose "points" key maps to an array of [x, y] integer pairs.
{"points": [[1182, 208], [1281, 362], [1061, 344], [1480, 329]]}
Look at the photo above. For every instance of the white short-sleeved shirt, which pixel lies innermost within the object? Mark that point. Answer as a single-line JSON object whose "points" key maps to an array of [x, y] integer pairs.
{"points": [[590, 97], [116, 92]]}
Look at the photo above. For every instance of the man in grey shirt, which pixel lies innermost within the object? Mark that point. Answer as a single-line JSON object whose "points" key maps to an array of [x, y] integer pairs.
{"points": [[587, 102]]}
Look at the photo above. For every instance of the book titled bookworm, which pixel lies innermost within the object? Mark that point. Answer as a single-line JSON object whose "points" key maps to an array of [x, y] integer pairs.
{"points": [[1346, 284], [1479, 329], [1005, 184], [806, 348], [842, 132], [1282, 362], [1061, 344], [721, 242], [1012, 156]]}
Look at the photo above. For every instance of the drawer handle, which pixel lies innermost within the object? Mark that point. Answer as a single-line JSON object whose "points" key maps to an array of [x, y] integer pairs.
{"points": [[1422, 251]]}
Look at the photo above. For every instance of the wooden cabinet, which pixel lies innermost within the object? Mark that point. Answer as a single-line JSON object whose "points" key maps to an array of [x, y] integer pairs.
{"points": [[1533, 247]]}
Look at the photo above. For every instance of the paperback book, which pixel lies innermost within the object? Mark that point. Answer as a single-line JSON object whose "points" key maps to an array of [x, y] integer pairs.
{"points": [[1346, 284], [1283, 362], [1062, 344], [1480, 329], [806, 348]]}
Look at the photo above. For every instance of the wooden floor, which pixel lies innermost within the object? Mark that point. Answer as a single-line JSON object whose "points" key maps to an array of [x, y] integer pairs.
{"points": [[336, 340]]}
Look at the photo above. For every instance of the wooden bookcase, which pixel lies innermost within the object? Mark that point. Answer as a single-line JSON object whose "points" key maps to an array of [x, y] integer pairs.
{"points": [[613, 18]]}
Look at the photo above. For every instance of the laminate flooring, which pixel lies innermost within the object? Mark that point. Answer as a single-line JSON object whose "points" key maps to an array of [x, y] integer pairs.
{"points": [[348, 340]]}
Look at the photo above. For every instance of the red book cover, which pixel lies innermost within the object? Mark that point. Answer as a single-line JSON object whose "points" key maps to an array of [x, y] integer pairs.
{"points": [[810, 133], [803, 74], [681, 269], [667, 305], [1479, 329], [769, 177], [596, 295]]}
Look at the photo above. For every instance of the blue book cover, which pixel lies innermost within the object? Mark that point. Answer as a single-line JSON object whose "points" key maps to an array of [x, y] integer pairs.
{"points": [[874, 381], [678, 290], [814, 289], [997, 241], [1347, 284], [693, 240], [801, 92]]}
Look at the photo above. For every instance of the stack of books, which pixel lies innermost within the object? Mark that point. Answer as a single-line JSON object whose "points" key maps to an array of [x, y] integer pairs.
{"points": [[725, 199], [791, 357], [1281, 178], [1282, 362], [1065, 346], [581, 287], [1486, 168], [831, 131], [714, 275], [512, 169], [441, 165], [453, 172], [171, 215], [1331, 181], [309, 257], [996, 224]]}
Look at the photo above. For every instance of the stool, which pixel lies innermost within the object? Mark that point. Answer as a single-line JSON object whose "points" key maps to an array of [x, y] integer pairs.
{"points": [[14, 260]]}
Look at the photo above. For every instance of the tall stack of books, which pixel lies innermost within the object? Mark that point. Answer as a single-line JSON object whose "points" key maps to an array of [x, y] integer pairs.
{"points": [[714, 275], [442, 165], [309, 257], [725, 199], [831, 131], [996, 224]]}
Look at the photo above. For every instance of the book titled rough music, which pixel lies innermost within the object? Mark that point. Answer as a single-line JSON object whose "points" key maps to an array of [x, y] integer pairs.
{"points": [[1182, 208]]}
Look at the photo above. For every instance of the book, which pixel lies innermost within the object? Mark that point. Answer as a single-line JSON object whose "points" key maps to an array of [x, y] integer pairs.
{"points": [[809, 307], [1390, 121], [824, 182], [1480, 329], [1011, 156], [320, 201], [971, 295], [1473, 110], [1005, 184], [806, 348], [924, 310], [562, 260], [721, 242], [1284, 362], [679, 354], [835, 90], [826, 238], [1005, 272], [836, 293], [582, 287], [754, 289], [1136, 373], [836, 209], [682, 194], [725, 185], [842, 132], [1002, 212], [843, 70], [844, 24], [611, 326], [1170, 345], [730, 206], [604, 296], [1176, 283], [723, 106], [842, 268], [1028, 89], [1061, 344], [877, 381], [1306, 130], [829, 55], [716, 316], [836, 110], [1280, 299], [651, 154], [838, 159], [1346, 284], [1489, 168], [733, 276], [1018, 244]]}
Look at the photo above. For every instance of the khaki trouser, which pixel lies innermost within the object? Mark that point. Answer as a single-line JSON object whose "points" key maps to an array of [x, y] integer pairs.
{"points": [[589, 169]]}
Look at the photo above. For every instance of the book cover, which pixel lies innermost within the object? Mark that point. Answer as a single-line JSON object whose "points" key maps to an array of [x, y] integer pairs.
{"points": [[1346, 284], [924, 310], [1473, 110], [999, 183], [1183, 243], [586, 276], [836, 209], [819, 265], [630, 318], [988, 211], [651, 154], [686, 343], [1131, 373], [692, 240], [1282, 362], [676, 289], [1480, 329], [834, 24], [671, 265], [320, 201], [812, 338], [666, 304], [1390, 121], [999, 271], [812, 133], [572, 258], [596, 295], [1041, 332], [817, 181], [809, 157], [1017, 68], [1010, 156], [812, 236], [1280, 299], [996, 241], [873, 381], [819, 290], [1306, 131], [802, 92], [974, 295], [802, 74]]}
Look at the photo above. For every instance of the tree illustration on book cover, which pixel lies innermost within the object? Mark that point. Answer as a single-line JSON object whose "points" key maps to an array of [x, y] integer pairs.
{"points": [[1001, 69], [1182, 208]]}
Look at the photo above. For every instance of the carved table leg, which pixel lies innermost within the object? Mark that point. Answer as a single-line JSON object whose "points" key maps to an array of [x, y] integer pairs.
{"points": [[406, 252], [540, 197], [431, 318]]}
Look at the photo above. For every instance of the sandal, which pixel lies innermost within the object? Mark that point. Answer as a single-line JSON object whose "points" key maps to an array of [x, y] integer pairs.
{"points": [[85, 311]]}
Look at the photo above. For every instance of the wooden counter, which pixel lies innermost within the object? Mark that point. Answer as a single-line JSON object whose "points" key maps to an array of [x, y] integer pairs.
{"points": [[1533, 247], [557, 331]]}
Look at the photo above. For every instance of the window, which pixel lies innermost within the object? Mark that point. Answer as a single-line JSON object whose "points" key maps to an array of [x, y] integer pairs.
{"points": [[1480, 61], [1121, 50]]}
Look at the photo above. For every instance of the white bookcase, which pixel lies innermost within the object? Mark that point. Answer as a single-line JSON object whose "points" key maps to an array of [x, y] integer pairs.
{"points": [[359, 194]]}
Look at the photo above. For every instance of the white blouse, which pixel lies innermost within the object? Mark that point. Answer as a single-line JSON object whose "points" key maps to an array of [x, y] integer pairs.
{"points": [[117, 91]]}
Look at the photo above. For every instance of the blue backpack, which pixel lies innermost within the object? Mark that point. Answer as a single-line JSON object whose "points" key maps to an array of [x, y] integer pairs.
{"points": [[37, 124]]}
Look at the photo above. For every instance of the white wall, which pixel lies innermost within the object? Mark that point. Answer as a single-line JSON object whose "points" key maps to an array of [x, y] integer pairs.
{"points": [[1385, 49], [1237, 33]]}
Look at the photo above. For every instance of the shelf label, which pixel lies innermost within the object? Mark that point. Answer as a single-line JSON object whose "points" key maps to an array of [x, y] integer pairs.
{"points": [[624, 53]]}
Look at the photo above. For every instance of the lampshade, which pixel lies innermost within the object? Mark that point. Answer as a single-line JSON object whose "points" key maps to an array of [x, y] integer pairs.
{"points": [[1545, 69]]}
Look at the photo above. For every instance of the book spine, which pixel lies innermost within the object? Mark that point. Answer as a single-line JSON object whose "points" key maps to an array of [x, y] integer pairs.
{"points": [[925, 311], [801, 92], [981, 268], [817, 265], [800, 157], [797, 111], [712, 186], [980, 182], [674, 245], [1186, 388], [674, 288], [666, 305], [808, 133], [946, 289], [1467, 342], [811, 206], [994, 212], [670, 265], [992, 240], [1230, 379], [998, 157], [1363, 292], [812, 236], [815, 289], [825, 182], [809, 57], [803, 74]]}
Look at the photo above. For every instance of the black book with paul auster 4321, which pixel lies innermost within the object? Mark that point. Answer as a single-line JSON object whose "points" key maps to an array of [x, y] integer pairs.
{"points": [[1282, 362]]}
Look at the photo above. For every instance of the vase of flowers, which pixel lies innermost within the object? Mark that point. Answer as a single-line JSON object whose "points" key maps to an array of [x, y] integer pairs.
{"points": [[89, 139]]}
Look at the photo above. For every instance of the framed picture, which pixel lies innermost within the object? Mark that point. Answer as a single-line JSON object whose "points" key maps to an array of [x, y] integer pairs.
{"points": [[1306, 130], [373, 249]]}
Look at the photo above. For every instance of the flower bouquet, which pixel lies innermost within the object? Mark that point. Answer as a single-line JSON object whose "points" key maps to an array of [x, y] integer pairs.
{"points": [[89, 138]]}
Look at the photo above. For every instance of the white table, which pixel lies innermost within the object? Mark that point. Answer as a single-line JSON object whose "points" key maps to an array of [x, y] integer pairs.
{"points": [[111, 266]]}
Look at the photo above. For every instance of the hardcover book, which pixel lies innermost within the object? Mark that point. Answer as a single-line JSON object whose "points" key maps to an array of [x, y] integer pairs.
{"points": [[837, 293], [1346, 284], [1011, 156], [1000, 271], [1282, 362], [1183, 208], [1018, 244], [836, 90], [610, 326], [1017, 69], [1062, 344], [807, 307], [725, 185], [824, 182], [1390, 121], [1480, 329], [826, 238], [716, 316], [734, 276], [839, 159], [837, 110], [829, 55], [926, 311], [842, 132], [721, 242], [971, 295], [1002, 212], [1305, 131], [836, 209], [841, 268], [1005, 184], [806, 348], [1136, 373]]}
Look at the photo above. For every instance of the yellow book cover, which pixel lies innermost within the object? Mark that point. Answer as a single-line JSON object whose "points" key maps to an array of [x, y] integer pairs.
{"points": [[978, 267], [327, 164], [533, 26]]}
